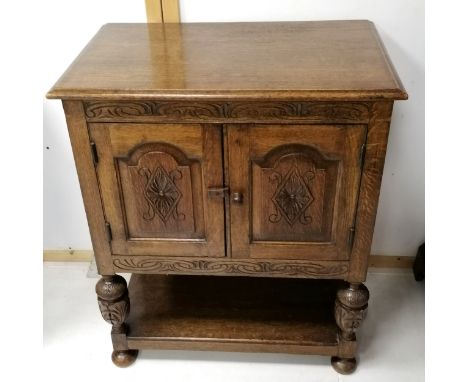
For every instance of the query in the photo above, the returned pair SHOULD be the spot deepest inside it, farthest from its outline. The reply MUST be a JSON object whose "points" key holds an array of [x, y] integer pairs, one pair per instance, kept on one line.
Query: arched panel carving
{"points": [[293, 194], [157, 183]]}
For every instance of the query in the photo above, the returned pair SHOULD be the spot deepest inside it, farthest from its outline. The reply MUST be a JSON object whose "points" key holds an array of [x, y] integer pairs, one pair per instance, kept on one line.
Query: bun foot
{"points": [[343, 365], [124, 358]]}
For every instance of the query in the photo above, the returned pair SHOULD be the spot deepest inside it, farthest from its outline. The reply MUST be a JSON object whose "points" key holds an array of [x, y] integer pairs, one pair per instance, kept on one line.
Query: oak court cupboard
{"points": [[234, 169]]}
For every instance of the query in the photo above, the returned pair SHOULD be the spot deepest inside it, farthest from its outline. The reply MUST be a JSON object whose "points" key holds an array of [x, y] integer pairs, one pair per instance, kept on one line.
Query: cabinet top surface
{"points": [[322, 60]]}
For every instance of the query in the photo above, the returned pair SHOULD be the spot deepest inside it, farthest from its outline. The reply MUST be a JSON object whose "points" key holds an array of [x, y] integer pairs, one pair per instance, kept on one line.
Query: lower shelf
{"points": [[233, 314]]}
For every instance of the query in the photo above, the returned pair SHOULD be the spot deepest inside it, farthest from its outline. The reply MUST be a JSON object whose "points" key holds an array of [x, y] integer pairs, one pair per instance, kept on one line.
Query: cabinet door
{"points": [[293, 190], [154, 182]]}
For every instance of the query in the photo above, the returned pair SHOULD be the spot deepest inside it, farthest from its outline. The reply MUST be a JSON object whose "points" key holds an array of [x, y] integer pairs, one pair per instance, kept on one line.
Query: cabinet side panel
{"points": [[376, 147], [77, 129]]}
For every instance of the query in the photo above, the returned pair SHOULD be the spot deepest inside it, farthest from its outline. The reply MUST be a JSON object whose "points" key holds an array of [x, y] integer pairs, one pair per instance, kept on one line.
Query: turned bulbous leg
{"points": [[113, 301], [114, 305], [350, 311]]}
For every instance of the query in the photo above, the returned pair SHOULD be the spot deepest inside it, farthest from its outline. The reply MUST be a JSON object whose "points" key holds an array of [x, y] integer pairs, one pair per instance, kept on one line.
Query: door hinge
{"points": [[94, 152], [108, 232], [362, 155], [351, 237]]}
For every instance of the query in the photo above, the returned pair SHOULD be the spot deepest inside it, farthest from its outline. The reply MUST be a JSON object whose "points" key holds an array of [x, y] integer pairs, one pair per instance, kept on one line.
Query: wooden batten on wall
{"points": [[382, 261], [67, 255], [162, 11], [376, 261]]}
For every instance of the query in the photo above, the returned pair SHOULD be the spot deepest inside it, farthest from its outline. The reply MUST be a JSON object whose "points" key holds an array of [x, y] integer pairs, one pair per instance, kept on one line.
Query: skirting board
{"points": [[70, 255], [376, 261]]}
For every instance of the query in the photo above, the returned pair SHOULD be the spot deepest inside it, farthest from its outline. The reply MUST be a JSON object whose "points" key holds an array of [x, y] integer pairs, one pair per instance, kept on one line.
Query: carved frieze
{"points": [[223, 267], [344, 112]]}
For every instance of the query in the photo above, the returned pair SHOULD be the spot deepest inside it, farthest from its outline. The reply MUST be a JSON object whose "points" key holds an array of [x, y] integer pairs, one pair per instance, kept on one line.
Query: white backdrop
{"points": [[68, 26]]}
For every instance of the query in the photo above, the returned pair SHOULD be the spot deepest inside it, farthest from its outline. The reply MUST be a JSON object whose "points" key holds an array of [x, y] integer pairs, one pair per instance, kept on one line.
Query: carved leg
{"points": [[114, 306], [350, 310]]}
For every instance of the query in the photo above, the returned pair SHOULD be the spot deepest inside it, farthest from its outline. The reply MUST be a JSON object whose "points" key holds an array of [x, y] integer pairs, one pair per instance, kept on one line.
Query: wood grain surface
{"points": [[283, 60], [154, 185], [79, 137], [241, 314]]}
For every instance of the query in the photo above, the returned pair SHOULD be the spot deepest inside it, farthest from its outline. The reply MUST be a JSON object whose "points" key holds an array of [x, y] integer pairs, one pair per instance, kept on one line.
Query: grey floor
{"points": [[77, 341]]}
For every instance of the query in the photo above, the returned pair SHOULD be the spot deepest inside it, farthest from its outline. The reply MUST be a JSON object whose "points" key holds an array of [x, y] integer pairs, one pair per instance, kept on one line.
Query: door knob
{"points": [[237, 197]]}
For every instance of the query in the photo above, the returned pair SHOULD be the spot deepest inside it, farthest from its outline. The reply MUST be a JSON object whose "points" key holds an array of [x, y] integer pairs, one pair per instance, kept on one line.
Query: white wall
{"points": [[67, 28], [400, 221]]}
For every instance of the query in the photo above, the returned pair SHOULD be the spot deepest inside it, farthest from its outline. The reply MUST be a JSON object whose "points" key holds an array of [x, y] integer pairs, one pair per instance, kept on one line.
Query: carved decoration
{"points": [[292, 196], [111, 288], [350, 310], [134, 156], [190, 111], [102, 110], [274, 110], [114, 312], [160, 177], [298, 182], [113, 301], [161, 193], [193, 111], [148, 264], [355, 297]]}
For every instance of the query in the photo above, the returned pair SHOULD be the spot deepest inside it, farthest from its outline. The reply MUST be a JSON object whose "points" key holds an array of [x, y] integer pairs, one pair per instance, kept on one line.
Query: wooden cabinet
{"points": [[251, 150]]}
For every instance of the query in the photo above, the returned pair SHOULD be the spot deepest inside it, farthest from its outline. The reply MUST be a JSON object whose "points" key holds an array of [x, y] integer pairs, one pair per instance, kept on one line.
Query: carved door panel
{"points": [[294, 190], [154, 182]]}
